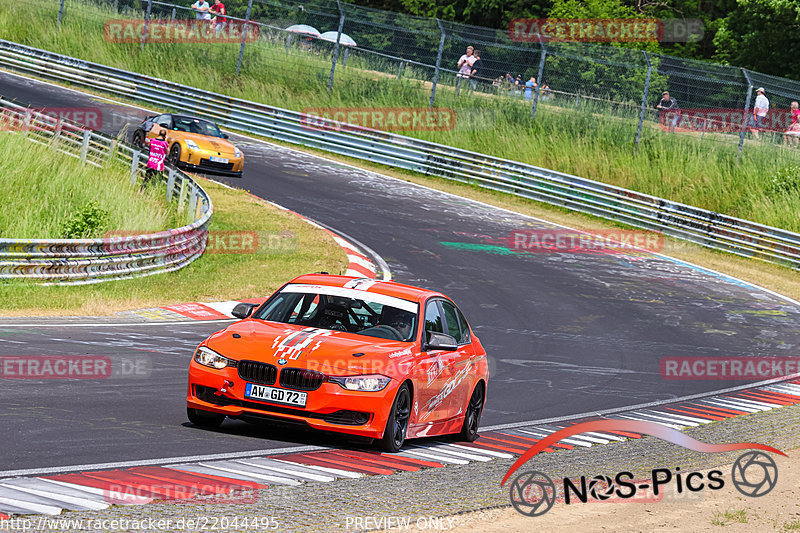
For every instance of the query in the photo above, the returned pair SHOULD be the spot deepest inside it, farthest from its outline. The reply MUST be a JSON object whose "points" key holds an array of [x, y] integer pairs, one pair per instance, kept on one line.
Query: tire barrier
{"points": [[83, 261], [700, 226]]}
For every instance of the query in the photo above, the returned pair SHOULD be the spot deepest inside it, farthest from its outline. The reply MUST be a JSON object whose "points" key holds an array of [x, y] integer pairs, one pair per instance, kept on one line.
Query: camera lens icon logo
{"points": [[754, 474], [532, 493]]}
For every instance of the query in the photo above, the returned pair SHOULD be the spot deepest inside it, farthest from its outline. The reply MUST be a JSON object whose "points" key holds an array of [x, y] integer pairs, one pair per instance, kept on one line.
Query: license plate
{"points": [[216, 159], [271, 394]]}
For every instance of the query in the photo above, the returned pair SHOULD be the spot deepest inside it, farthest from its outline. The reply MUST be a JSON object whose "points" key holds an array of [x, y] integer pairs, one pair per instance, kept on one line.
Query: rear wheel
{"points": [[472, 418], [138, 139], [175, 154], [396, 427], [205, 419]]}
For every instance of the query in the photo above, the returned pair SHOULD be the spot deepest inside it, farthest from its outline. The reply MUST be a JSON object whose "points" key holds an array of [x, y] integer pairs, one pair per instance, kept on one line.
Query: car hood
{"points": [[331, 352], [213, 144]]}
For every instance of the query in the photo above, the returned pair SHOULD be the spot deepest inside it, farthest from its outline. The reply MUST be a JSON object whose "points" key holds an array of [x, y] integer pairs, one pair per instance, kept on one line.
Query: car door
{"points": [[461, 361], [433, 365]]}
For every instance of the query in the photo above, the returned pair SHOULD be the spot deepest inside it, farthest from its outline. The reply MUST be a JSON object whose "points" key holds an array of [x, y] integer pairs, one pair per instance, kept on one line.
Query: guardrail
{"points": [[82, 261], [713, 230]]}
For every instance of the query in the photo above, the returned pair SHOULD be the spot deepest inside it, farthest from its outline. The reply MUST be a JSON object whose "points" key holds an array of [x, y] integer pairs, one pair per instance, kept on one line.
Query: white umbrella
{"points": [[304, 29], [345, 39]]}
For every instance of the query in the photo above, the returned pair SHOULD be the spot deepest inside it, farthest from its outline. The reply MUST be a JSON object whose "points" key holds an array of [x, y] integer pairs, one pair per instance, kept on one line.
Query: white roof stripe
{"points": [[383, 299]]}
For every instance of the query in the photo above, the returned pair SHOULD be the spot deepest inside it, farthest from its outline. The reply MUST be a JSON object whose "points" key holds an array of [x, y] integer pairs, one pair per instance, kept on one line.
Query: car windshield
{"points": [[342, 309], [196, 125]]}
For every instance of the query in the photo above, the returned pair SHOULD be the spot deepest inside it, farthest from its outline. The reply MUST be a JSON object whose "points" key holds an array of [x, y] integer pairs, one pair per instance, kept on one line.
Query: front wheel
{"points": [[205, 419], [472, 418], [397, 425], [175, 154]]}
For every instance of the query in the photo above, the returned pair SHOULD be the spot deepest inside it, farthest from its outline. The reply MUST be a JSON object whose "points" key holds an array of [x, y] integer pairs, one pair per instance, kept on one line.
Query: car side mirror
{"points": [[440, 341], [225, 136], [243, 310]]}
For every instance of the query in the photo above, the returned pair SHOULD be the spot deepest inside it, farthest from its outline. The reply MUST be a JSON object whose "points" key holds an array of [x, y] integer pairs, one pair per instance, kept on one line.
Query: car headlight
{"points": [[237, 152], [367, 382], [208, 357], [191, 144]]}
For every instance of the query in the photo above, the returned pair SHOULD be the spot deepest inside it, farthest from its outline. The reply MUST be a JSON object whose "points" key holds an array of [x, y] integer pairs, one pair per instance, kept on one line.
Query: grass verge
{"points": [[43, 190], [763, 186], [288, 247]]}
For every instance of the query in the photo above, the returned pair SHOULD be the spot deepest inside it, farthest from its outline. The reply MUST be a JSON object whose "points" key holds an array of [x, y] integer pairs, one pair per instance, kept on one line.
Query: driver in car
{"points": [[398, 319]]}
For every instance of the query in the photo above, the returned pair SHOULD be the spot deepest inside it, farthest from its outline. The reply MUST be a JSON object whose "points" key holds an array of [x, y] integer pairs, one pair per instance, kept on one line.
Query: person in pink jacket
{"points": [[158, 153]]}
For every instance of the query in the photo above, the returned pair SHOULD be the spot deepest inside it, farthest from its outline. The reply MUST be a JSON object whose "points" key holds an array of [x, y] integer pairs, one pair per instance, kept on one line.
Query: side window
{"points": [[453, 325], [465, 336], [433, 320], [165, 121]]}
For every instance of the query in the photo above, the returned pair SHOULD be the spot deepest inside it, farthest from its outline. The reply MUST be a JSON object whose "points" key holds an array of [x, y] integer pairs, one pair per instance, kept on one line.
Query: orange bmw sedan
{"points": [[369, 358]]}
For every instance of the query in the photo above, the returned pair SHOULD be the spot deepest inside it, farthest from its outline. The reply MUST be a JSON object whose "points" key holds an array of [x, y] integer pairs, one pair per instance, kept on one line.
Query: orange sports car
{"points": [[375, 359], [194, 144]]}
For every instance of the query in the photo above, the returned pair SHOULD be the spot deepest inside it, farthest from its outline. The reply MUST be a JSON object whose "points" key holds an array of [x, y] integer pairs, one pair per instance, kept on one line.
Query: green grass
{"points": [[583, 141], [41, 189], [288, 247], [729, 517]]}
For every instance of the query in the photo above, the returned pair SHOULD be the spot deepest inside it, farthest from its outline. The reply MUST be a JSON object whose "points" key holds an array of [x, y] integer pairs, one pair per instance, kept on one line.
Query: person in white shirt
{"points": [[202, 7], [465, 63], [759, 113]]}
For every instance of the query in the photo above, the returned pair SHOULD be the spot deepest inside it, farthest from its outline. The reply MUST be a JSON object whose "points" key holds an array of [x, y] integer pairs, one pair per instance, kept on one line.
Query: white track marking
{"points": [[328, 469]]}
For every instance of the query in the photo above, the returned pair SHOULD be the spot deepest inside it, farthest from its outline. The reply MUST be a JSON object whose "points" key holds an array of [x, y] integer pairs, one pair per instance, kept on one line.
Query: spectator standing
{"points": [[530, 86], [465, 63], [219, 20], [201, 6], [669, 109], [792, 135], [545, 91], [158, 152], [759, 119], [477, 69], [518, 85]]}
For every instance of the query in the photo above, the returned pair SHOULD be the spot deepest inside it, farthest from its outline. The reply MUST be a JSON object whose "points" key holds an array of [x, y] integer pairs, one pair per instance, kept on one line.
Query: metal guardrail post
{"points": [[182, 196], [746, 115], [245, 27], [400, 69], [192, 202], [28, 117], [539, 79], [56, 135], [438, 62], [112, 151], [87, 135], [170, 184], [135, 166], [146, 21], [60, 13], [644, 100], [336, 46]]}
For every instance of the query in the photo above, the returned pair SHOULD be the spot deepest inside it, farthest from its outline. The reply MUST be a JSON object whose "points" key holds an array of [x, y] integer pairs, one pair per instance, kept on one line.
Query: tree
{"points": [[762, 35]]}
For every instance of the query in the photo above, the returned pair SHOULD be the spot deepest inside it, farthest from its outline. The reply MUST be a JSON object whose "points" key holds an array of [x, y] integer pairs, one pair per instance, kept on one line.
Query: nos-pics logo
{"points": [[533, 493]]}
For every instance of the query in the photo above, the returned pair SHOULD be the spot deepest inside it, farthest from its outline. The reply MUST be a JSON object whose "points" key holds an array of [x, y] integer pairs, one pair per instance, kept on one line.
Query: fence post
{"points": [[539, 79], [56, 134], [400, 69], [135, 166], [60, 13], [244, 35], [146, 20], [644, 100], [116, 6], [745, 116], [438, 62], [173, 15], [85, 145], [170, 184], [336, 46]]}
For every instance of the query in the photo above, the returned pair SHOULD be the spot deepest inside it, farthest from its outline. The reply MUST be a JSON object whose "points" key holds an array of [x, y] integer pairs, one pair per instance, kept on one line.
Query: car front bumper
{"points": [[328, 408]]}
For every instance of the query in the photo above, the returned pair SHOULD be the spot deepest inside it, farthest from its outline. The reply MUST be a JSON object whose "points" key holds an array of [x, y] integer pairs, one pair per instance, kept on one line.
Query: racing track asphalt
{"points": [[567, 333]]}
